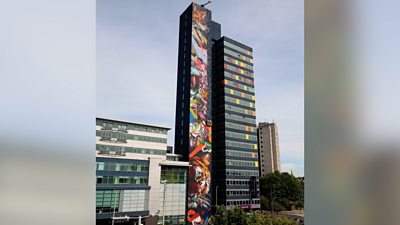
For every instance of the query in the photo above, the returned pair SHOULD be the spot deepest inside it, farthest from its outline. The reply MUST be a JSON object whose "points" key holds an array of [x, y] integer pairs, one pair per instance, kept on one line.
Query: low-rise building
{"points": [[132, 165]]}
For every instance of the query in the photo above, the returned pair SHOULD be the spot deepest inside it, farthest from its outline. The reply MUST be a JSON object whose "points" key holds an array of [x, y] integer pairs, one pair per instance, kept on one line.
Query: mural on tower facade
{"points": [[199, 182]]}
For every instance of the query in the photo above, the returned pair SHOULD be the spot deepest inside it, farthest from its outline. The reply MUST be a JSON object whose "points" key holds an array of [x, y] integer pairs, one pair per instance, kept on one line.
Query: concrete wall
{"points": [[154, 183]]}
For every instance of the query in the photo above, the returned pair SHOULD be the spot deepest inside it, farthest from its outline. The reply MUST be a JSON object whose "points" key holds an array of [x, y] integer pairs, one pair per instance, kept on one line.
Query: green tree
{"points": [[220, 217], [237, 216], [283, 189]]}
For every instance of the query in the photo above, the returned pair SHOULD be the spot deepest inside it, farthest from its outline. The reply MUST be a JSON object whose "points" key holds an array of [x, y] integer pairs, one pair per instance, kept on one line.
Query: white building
{"points": [[132, 160]]}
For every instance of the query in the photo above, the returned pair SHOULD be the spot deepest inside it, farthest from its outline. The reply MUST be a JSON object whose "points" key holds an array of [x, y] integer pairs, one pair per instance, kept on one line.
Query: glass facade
{"points": [[117, 137], [175, 194], [122, 171], [121, 186], [121, 200], [125, 127], [125, 183], [107, 200], [241, 154], [122, 180], [135, 200], [120, 166], [174, 175], [121, 150]]}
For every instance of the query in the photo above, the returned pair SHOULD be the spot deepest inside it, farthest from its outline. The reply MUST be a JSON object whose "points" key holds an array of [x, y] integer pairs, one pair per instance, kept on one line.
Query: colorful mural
{"points": [[199, 198]]}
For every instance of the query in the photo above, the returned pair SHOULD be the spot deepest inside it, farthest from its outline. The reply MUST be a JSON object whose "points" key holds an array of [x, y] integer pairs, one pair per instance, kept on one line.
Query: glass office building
{"points": [[131, 162]]}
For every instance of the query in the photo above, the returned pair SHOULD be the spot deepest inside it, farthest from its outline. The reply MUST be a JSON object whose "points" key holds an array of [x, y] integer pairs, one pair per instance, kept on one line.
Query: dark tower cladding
{"points": [[215, 92], [236, 169], [193, 125]]}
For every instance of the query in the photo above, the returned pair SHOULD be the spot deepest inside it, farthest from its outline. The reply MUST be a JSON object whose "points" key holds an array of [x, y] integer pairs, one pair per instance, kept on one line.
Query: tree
{"points": [[283, 189], [220, 217], [237, 216], [229, 217]]}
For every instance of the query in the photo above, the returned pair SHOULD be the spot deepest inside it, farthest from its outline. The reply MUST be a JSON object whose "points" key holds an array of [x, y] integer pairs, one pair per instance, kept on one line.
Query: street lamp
{"points": [[165, 188], [115, 202], [216, 195]]}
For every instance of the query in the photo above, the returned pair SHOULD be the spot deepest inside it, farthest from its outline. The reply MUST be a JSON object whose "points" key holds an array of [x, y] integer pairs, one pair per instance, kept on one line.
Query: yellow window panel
{"points": [[245, 87], [237, 101], [237, 77], [236, 62], [241, 71], [252, 97], [247, 137], [255, 146], [251, 104], [256, 163], [232, 91], [251, 60]]}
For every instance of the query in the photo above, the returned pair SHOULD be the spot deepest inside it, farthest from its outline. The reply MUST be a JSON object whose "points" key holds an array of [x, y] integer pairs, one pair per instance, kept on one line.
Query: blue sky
{"points": [[137, 48]]}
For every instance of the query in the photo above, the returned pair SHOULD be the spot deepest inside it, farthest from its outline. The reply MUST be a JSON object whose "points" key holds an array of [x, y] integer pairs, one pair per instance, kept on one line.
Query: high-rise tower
{"points": [[234, 126], [268, 148], [193, 125], [215, 127]]}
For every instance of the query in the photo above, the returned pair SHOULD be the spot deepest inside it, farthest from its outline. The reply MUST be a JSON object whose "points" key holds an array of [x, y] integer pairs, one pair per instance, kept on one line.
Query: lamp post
{"points": [[216, 195], [115, 202], [165, 188]]}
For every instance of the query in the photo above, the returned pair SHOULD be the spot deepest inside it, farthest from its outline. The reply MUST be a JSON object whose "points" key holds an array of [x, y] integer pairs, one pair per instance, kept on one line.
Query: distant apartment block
{"points": [[268, 148]]}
